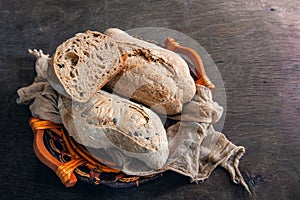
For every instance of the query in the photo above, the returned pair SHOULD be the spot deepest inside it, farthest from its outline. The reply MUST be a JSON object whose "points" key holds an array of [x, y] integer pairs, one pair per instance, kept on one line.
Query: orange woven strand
{"points": [[86, 155], [64, 171], [38, 124]]}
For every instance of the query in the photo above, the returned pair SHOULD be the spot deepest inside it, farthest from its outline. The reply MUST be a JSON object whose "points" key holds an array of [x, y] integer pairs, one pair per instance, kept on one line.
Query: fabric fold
{"points": [[201, 108], [195, 148]]}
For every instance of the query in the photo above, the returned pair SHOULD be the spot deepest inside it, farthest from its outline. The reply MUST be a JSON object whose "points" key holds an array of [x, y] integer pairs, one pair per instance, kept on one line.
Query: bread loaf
{"points": [[110, 122], [153, 76], [83, 64]]}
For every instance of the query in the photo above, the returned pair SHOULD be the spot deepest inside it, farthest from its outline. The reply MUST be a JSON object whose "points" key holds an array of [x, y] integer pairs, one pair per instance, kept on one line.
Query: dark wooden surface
{"points": [[256, 46]]}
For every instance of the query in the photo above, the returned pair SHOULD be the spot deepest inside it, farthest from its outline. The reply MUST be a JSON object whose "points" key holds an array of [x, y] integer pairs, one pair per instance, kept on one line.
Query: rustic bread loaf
{"points": [[116, 124], [153, 76], [83, 64]]}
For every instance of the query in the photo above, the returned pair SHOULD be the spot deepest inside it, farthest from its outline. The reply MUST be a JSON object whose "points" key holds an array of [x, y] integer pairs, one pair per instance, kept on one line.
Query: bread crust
{"points": [[109, 121], [153, 76]]}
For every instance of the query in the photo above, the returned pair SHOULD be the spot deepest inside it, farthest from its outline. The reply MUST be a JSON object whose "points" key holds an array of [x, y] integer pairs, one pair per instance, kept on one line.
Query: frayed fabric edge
{"points": [[231, 164]]}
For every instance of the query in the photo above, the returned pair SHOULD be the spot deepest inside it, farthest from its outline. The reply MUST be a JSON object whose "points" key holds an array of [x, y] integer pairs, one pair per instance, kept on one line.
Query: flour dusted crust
{"points": [[132, 136], [109, 121], [153, 76], [83, 64]]}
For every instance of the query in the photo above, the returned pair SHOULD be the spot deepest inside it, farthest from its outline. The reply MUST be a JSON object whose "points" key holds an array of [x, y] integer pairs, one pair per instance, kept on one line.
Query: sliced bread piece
{"points": [[85, 63]]}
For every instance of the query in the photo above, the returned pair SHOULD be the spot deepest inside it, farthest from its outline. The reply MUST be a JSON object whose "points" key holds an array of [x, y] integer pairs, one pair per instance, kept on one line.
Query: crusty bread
{"points": [[116, 124], [153, 76], [83, 64]]}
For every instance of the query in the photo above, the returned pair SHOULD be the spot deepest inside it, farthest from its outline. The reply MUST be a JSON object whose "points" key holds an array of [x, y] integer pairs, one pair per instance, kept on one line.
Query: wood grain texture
{"points": [[256, 46]]}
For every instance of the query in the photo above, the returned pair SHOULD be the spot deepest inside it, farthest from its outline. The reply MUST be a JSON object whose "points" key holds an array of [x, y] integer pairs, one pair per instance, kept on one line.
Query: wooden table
{"points": [[256, 47]]}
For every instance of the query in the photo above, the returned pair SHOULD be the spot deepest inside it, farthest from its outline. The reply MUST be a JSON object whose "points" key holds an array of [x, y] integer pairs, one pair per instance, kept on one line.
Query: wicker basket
{"points": [[71, 161]]}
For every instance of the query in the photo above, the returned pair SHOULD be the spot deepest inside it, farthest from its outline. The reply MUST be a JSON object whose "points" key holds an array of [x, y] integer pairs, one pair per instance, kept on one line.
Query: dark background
{"points": [[256, 46]]}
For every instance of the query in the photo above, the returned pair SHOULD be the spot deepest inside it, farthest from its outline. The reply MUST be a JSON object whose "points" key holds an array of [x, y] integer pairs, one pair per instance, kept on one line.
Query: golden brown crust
{"points": [[110, 122], [153, 76]]}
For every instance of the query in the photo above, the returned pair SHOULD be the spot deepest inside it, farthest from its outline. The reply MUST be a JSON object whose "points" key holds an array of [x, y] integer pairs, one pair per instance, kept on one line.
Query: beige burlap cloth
{"points": [[195, 148]]}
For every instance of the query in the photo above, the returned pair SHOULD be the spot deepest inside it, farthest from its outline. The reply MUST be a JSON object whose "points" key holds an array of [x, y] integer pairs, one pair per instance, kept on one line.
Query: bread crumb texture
{"points": [[85, 62]]}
